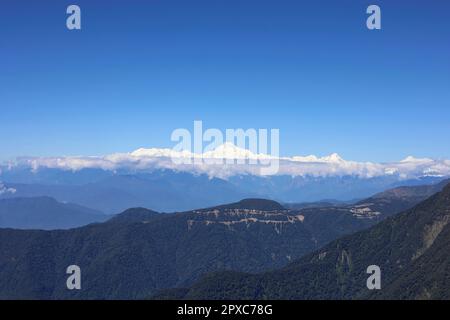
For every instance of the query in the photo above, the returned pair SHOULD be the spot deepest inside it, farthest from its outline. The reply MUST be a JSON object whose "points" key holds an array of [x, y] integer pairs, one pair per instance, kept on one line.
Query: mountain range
{"points": [[113, 193], [168, 190], [225, 163], [410, 248], [140, 252], [45, 213], [166, 180]]}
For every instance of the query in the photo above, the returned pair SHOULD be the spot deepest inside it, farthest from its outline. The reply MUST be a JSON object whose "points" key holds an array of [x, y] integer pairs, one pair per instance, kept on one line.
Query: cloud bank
{"points": [[228, 160]]}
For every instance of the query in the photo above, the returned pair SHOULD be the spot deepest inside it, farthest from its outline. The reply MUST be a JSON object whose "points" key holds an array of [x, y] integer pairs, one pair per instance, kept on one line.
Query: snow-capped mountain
{"points": [[168, 180], [228, 160]]}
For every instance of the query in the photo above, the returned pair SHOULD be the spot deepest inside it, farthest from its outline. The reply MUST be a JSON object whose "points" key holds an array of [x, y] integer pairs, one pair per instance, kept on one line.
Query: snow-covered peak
{"points": [[225, 151], [230, 151], [157, 158], [310, 158], [332, 158], [160, 153]]}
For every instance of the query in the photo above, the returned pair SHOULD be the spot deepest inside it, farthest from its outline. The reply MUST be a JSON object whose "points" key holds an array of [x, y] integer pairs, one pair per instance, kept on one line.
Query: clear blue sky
{"points": [[139, 69]]}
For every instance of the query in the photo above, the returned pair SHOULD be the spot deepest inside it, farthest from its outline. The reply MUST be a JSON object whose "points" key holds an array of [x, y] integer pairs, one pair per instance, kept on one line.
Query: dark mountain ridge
{"points": [[253, 204], [140, 252], [135, 215], [410, 248]]}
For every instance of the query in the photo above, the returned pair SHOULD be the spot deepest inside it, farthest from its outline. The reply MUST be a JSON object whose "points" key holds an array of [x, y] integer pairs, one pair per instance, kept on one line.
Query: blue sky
{"points": [[140, 69]]}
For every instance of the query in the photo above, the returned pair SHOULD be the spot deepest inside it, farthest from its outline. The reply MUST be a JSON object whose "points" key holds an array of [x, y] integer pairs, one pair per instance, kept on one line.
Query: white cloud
{"points": [[332, 165], [4, 189], [411, 159]]}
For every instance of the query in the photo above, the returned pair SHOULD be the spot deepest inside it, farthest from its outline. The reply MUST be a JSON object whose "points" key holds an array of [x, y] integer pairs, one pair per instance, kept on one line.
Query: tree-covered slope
{"points": [[411, 249], [140, 252]]}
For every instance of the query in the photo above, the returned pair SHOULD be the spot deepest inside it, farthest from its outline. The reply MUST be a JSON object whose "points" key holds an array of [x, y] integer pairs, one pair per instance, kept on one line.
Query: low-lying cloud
{"points": [[151, 159], [5, 190]]}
